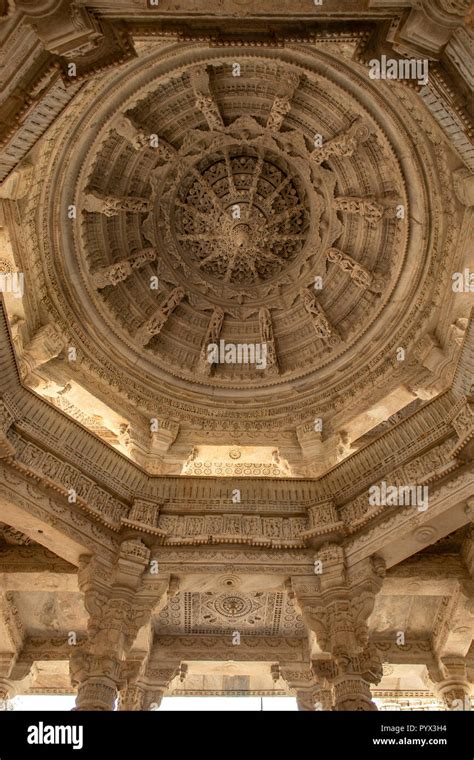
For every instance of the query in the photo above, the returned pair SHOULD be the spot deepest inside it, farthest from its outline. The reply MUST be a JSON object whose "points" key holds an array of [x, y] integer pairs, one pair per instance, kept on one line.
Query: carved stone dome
{"points": [[269, 208]]}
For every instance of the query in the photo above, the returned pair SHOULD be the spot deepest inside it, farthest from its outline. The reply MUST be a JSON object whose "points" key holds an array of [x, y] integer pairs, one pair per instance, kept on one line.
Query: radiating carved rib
{"points": [[253, 187], [230, 175], [110, 205], [253, 269], [277, 190], [287, 214], [118, 272], [361, 276], [282, 103], [205, 101], [321, 323], [208, 189], [269, 255], [155, 324], [214, 255], [365, 207], [199, 236], [344, 144], [268, 339], [230, 266], [212, 336], [193, 210]]}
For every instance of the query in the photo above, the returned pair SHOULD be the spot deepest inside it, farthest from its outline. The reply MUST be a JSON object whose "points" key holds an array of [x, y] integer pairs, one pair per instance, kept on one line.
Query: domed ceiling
{"points": [[288, 201]]}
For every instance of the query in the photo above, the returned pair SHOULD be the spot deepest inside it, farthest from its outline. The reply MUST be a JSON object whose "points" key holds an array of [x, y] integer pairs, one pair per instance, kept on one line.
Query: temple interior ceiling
{"points": [[287, 205], [236, 282]]}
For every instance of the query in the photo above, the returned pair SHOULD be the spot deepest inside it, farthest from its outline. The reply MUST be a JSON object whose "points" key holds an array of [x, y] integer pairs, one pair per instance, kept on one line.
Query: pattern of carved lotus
{"points": [[241, 217]]}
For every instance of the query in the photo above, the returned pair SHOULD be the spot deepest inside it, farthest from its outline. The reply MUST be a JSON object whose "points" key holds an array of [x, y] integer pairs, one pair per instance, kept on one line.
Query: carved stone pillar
{"points": [[336, 604], [300, 678], [7, 692], [451, 683], [95, 690], [352, 693], [119, 604]]}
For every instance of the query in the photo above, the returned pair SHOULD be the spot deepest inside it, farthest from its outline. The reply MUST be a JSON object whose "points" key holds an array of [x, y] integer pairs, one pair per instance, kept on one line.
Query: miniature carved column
{"points": [[343, 145], [118, 272], [155, 323], [267, 338], [323, 328], [336, 604], [110, 205], [119, 604], [282, 104], [212, 336], [205, 101]]}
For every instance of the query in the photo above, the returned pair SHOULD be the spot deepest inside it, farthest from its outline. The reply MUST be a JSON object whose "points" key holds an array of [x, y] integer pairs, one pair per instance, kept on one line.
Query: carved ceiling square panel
{"points": [[204, 613]]}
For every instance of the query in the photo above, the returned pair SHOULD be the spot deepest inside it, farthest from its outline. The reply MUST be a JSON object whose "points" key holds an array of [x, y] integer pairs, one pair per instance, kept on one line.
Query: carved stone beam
{"points": [[462, 420], [110, 205], [212, 336], [366, 207], [6, 420], [323, 328], [221, 648], [155, 324], [118, 272], [45, 345], [282, 103], [344, 145], [205, 100]]}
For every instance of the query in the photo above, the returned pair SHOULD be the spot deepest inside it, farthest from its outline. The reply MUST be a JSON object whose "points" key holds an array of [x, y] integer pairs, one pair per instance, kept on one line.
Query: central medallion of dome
{"points": [[241, 217]]}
